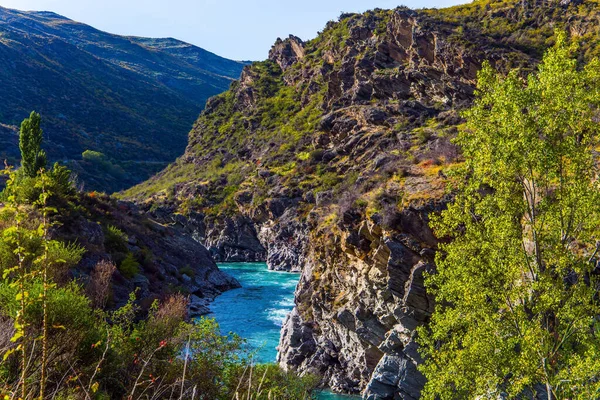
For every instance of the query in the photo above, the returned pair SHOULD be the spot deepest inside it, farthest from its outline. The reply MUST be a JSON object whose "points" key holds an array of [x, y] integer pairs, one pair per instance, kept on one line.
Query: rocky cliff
{"points": [[330, 156]]}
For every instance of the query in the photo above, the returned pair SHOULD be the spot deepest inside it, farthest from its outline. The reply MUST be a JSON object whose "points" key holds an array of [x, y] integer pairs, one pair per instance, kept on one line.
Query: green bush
{"points": [[63, 256], [102, 162], [268, 381], [93, 156], [129, 267], [61, 183], [27, 189], [115, 240]]}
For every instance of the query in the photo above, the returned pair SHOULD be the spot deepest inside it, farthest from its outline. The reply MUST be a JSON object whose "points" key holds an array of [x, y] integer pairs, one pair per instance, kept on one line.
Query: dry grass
{"points": [[98, 288], [173, 308]]}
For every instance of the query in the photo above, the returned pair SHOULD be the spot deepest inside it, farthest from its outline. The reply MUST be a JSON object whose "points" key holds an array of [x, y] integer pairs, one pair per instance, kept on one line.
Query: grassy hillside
{"points": [[133, 99], [398, 100]]}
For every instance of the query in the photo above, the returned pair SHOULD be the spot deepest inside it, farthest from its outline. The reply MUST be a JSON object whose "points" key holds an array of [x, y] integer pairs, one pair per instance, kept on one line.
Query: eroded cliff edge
{"points": [[330, 156]]}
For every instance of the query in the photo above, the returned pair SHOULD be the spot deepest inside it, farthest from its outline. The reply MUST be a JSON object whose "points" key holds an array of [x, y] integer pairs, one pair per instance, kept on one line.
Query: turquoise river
{"points": [[257, 310]]}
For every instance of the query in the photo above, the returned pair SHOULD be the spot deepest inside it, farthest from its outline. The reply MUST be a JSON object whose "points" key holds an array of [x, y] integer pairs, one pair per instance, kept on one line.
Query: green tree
{"points": [[33, 158], [517, 310], [35, 256]]}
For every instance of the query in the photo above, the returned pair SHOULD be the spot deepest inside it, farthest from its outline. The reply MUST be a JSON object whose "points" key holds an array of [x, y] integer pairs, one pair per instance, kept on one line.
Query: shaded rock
{"points": [[287, 242], [161, 250], [375, 116], [198, 306], [395, 377], [323, 197]]}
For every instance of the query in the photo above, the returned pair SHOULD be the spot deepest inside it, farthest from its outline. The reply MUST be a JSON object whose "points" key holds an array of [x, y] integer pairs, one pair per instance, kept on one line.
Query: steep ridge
{"points": [[151, 261], [133, 99], [329, 157]]}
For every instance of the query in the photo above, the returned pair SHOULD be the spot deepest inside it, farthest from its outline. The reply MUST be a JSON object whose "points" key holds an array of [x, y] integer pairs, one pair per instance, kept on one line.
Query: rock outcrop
{"points": [[287, 52], [232, 239], [362, 335]]}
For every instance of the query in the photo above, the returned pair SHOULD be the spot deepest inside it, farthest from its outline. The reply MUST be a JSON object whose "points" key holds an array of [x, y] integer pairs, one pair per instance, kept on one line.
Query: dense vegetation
{"points": [[517, 286], [57, 340], [528, 26]]}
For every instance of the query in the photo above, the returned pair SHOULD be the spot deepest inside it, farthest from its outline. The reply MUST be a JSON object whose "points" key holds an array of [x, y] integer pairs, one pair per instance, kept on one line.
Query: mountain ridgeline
{"points": [[132, 99], [329, 157]]}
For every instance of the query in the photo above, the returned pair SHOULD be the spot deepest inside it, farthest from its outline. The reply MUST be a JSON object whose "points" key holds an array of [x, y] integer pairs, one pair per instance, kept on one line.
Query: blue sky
{"points": [[237, 29]]}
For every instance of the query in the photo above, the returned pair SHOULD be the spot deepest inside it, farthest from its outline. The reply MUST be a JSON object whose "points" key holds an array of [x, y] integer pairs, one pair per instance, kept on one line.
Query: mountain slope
{"points": [[328, 158], [130, 98]]}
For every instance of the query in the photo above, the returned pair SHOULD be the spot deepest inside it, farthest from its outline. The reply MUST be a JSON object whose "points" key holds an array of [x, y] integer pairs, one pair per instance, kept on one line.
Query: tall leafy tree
{"points": [[33, 158], [516, 287]]}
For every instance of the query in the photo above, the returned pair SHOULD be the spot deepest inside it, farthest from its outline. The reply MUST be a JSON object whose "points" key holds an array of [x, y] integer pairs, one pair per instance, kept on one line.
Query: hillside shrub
{"points": [[129, 267], [115, 240]]}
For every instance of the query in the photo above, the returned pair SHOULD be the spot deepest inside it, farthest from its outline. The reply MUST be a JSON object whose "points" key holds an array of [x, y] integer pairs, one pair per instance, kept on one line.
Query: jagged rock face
{"points": [[362, 334], [271, 234], [228, 239], [410, 60], [287, 53], [287, 243], [333, 153], [280, 241], [416, 58], [232, 239]]}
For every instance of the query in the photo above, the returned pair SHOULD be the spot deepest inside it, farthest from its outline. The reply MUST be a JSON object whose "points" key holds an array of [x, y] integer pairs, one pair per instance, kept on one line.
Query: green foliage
{"points": [[68, 306], [29, 279], [303, 156], [33, 158], [285, 169], [212, 357], [268, 381], [115, 240], [268, 78], [60, 183], [63, 256], [337, 33], [93, 156], [327, 179], [117, 354], [162, 349], [103, 163], [129, 267], [516, 288], [27, 189]]}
